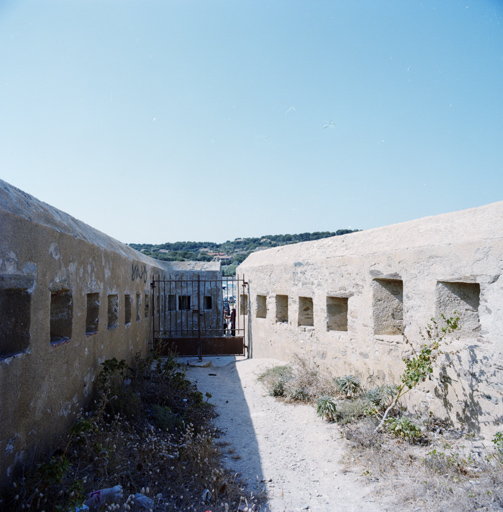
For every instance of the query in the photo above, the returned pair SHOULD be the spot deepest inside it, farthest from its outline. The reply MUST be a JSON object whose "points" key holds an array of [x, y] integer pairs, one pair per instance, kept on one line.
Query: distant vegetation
{"points": [[230, 253]]}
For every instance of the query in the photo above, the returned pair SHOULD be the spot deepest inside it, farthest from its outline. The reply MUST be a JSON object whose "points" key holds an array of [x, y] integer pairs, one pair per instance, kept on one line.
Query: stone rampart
{"points": [[350, 301], [70, 298]]}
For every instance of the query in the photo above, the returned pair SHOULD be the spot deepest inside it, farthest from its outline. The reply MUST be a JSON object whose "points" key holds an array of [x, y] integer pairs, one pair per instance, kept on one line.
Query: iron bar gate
{"points": [[194, 314]]}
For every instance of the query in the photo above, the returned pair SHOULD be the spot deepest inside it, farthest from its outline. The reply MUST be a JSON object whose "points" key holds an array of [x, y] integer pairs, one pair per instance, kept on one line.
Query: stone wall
{"points": [[70, 297], [350, 301]]}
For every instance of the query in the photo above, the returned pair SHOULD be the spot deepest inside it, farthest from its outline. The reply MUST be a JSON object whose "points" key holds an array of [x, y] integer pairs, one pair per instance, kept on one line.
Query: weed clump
{"points": [[403, 427], [349, 386], [326, 407], [275, 378], [409, 456], [300, 381], [148, 431], [498, 443]]}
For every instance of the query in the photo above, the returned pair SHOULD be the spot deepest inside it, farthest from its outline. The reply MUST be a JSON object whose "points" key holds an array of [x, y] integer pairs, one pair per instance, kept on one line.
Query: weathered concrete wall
{"points": [[350, 301], [70, 297]]}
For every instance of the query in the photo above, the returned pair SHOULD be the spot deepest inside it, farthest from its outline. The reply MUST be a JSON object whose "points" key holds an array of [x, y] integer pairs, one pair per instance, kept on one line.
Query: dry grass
{"points": [[149, 432], [424, 465], [435, 476], [302, 381]]}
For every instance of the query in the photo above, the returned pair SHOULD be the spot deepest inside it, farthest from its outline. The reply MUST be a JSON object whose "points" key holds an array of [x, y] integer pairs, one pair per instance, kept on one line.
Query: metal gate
{"points": [[199, 315]]}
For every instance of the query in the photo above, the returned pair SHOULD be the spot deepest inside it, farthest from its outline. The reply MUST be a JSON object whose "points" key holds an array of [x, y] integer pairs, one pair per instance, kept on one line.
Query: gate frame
{"points": [[205, 344]]}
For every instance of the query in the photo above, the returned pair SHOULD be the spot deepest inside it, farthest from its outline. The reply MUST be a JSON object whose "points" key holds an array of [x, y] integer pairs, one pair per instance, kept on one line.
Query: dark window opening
{"points": [[15, 323], [113, 311], [184, 303], [93, 313], [147, 305], [61, 316], [127, 309], [138, 307], [282, 308]]}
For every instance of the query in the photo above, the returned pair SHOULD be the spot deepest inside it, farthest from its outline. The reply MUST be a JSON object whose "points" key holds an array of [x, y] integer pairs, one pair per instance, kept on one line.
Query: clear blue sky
{"points": [[163, 120]]}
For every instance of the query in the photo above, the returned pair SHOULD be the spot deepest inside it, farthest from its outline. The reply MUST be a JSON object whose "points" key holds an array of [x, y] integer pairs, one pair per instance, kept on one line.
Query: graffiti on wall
{"points": [[139, 272]]}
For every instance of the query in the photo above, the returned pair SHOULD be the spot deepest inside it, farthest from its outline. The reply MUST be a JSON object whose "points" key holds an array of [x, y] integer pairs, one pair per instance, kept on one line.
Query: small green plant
{"points": [[326, 407], [380, 397], [111, 368], [349, 386], [419, 366], [299, 394], [403, 427], [54, 470], [350, 411], [445, 463], [498, 442], [275, 379], [166, 419]]}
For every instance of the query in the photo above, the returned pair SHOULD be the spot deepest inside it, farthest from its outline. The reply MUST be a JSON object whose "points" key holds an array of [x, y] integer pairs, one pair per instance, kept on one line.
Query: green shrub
{"points": [[349, 386], [445, 464], [299, 394], [498, 442], [403, 427], [381, 396], [326, 407], [275, 378], [300, 381], [419, 365], [350, 411], [165, 419]]}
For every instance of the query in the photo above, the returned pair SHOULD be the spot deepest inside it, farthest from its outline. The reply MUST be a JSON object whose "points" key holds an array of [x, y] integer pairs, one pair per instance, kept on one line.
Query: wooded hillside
{"points": [[230, 253]]}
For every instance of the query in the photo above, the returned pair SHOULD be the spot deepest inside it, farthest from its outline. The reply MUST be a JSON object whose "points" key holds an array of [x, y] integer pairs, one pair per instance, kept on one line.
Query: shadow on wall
{"points": [[467, 380]]}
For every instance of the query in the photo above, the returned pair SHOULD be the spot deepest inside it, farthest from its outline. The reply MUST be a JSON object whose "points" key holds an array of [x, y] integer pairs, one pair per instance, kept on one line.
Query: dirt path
{"points": [[284, 449]]}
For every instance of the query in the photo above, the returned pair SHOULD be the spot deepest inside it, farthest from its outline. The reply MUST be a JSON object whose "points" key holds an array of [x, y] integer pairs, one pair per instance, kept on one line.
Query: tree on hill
{"points": [[238, 250]]}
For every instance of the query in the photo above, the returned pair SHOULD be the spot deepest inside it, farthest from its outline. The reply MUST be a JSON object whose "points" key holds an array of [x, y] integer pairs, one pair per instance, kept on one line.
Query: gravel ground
{"points": [[281, 449]]}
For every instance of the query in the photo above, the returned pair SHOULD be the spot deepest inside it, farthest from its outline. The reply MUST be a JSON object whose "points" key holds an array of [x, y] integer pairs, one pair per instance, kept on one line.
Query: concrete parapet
{"points": [[70, 297], [350, 301]]}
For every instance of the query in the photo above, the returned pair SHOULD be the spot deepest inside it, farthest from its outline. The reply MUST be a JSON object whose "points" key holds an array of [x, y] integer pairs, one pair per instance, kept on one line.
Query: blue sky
{"points": [[163, 120]]}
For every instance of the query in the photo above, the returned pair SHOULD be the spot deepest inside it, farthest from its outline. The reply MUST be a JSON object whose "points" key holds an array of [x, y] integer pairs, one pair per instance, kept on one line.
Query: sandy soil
{"points": [[283, 449]]}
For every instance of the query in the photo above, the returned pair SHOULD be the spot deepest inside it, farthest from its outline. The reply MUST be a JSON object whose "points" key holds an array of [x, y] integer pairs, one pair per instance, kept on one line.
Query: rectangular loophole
{"points": [[61, 316], [15, 323], [138, 307], [462, 299], [337, 314], [306, 311], [282, 308], [388, 306], [261, 306], [127, 309], [184, 302], [147, 305], [113, 311], [208, 303], [92, 313]]}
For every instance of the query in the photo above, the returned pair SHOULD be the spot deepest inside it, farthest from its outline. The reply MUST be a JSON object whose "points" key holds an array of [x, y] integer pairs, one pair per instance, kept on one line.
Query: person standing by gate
{"points": [[233, 322]]}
